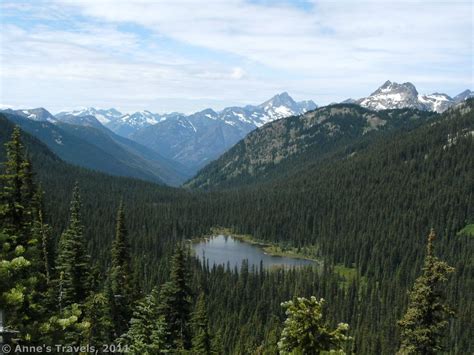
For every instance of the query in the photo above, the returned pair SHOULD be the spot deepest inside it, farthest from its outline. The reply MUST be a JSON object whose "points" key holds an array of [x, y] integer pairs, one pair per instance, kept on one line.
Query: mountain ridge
{"points": [[304, 139]]}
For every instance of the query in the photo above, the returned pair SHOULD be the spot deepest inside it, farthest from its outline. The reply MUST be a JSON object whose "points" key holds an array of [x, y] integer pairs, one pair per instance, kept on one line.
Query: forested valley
{"points": [[97, 259]]}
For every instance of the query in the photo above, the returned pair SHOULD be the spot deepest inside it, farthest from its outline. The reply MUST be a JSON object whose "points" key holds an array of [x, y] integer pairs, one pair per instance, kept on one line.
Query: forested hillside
{"points": [[366, 215], [289, 144], [95, 147]]}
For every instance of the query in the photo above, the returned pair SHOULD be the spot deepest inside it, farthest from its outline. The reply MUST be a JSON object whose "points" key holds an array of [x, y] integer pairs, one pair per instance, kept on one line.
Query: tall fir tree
{"points": [[201, 342], [175, 302], [422, 327], [72, 265], [121, 284]]}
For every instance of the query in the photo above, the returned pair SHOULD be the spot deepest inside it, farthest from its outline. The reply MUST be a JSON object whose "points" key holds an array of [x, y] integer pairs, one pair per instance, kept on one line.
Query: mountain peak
{"points": [[393, 87], [466, 94], [282, 99], [284, 95], [385, 85], [208, 112]]}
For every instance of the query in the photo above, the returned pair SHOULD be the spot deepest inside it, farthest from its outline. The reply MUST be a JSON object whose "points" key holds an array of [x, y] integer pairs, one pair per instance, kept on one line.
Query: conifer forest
{"points": [[98, 261], [236, 177]]}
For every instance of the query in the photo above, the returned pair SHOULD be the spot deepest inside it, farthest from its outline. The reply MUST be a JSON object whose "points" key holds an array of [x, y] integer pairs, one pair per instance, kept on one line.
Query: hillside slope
{"points": [[98, 148], [291, 143]]}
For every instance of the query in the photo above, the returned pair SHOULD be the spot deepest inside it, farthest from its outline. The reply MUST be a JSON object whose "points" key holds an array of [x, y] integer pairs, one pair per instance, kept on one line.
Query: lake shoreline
{"points": [[271, 249]]}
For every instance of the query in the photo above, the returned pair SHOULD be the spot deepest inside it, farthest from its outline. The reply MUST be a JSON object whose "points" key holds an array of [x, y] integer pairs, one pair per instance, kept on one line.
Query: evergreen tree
{"points": [[423, 324], [120, 274], [97, 315], [201, 338], [12, 197], [147, 332], [305, 332], [72, 263], [67, 327], [22, 278], [217, 344], [42, 231], [175, 302]]}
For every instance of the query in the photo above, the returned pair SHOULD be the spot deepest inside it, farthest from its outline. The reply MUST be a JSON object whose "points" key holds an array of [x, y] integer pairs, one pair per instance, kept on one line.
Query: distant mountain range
{"points": [[165, 148], [279, 106], [392, 95], [191, 140], [171, 148], [197, 139]]}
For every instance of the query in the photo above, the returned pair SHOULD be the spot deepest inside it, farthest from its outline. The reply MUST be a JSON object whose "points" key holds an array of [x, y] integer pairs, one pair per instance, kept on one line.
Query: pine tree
{"points": [[427, 314], [201, 338], [147, 331], [305, 332], [175, 302], [72, 264], [121, 280]]}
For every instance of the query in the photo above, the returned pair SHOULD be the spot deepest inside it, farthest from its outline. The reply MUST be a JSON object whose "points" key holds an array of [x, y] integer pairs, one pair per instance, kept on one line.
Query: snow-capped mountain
{"points": [[103, 116], [436, 102], [85, 121], [140, 119], [392, 95], [123, 124], [35, 114], [282, 105], [245, 118], [466, 94], [279, 106], [128, 124], [196, 139]]}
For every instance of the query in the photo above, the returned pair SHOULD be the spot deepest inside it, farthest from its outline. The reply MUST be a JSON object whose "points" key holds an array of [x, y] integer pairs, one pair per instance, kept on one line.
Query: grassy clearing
{"points": [[467, 230], [348, 273]]}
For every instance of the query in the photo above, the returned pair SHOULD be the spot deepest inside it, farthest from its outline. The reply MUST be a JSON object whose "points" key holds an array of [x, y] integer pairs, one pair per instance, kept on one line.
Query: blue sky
{"points": [[186, 55]]}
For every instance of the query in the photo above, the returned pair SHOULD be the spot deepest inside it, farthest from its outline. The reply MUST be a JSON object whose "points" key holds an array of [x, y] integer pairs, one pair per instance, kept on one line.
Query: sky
{"points": [[187, 55]]}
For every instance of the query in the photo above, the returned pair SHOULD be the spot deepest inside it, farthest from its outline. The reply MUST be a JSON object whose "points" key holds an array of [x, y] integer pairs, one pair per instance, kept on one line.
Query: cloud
{"points": [[237, 73], [286, 37], [228, 51]]}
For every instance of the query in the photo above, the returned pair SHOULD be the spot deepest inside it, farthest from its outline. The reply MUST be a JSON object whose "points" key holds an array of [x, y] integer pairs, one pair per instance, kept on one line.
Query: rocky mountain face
{"points": [[392, 95], [291, 143]]}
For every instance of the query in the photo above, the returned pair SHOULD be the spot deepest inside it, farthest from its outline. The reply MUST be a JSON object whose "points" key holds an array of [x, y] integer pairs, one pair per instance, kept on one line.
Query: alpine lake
{"points": [[227, 250]]}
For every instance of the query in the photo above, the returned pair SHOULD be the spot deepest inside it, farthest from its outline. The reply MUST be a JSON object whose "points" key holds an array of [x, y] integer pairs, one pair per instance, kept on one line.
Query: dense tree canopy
{"points": [[363, 216]]}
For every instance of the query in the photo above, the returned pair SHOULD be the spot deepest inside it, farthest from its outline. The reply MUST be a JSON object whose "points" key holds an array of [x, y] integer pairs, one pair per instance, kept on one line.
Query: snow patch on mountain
{"points": [[392, 95]]}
